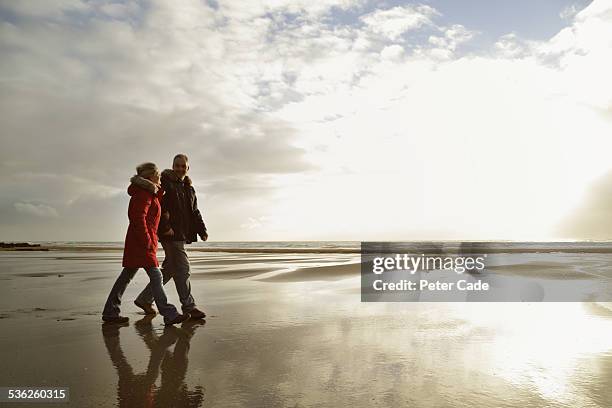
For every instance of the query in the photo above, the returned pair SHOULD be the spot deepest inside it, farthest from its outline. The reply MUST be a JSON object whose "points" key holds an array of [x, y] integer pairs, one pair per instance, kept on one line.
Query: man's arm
{"points": [[165, 228], [164, 222]]}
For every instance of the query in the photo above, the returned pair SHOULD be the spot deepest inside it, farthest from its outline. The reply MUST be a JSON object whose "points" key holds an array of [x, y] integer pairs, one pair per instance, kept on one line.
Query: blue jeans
{"points": [[175, 266], [111, 308]]}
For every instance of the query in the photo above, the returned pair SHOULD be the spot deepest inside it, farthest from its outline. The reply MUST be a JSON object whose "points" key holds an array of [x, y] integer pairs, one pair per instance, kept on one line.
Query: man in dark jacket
{"points": [[181, 223]]}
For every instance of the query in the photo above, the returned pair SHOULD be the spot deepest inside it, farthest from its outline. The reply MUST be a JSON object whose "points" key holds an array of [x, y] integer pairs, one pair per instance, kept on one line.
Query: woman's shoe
{"points": [[178, 319], [115, 319], [147, 307]]}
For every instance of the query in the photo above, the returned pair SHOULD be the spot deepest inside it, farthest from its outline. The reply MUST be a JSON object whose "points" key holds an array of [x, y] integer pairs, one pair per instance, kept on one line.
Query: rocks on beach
{"points": [[21, 246]]}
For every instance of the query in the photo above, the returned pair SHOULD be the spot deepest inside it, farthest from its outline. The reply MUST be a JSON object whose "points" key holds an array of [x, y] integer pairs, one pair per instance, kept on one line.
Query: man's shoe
{"points": [[178, 319], [115, 319], [196, 313], [147, 307]]}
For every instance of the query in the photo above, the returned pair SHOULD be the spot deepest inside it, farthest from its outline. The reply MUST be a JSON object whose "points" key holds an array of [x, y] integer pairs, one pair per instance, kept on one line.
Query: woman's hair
{"points": [[146, 170]]}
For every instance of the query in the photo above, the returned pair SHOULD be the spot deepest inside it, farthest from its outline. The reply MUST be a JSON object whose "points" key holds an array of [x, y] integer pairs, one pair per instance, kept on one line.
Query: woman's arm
{"points": [[137, 213]]}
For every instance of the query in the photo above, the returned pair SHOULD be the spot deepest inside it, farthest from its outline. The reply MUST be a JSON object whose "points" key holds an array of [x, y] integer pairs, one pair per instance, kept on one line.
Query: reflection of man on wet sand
{"points": [[139, 390]]}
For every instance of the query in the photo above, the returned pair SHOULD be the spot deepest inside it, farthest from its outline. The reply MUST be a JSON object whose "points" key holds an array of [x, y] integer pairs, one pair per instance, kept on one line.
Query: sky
{"points": [[327, 120]]}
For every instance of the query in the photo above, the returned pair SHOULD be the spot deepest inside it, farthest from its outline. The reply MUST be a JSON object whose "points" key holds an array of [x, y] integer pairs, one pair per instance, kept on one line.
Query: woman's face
{"points": [[155, 178]]}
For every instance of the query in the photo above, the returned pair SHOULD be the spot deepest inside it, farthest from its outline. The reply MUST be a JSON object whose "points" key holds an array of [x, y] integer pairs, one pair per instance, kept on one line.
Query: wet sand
{"points": [[288, 329]]}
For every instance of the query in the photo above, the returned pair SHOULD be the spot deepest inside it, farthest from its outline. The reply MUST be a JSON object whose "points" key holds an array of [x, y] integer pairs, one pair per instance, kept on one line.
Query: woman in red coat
{"points": [[141, 247]]}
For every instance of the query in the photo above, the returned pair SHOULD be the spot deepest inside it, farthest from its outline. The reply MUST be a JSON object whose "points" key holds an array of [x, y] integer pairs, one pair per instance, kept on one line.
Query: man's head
{"points": [[180, 165]]}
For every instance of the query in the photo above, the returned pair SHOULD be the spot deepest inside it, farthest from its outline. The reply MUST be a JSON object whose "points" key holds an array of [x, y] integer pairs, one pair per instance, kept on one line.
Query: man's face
{"points": [[180, 167]]}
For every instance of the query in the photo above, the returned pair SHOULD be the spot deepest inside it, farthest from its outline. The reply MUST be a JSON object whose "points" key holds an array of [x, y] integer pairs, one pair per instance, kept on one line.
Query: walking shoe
{"points": [[112, 329], [196, 313], [115, 319], [147, 307], [144, 325], [178, 319]]}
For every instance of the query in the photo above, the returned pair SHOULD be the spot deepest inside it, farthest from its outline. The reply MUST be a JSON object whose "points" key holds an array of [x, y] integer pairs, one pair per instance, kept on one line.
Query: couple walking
{"points": [[162, 207]]}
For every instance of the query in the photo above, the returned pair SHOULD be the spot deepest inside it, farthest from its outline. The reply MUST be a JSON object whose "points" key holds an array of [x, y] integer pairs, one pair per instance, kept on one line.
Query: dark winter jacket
{"points": [[144, 212], [180, 209]]}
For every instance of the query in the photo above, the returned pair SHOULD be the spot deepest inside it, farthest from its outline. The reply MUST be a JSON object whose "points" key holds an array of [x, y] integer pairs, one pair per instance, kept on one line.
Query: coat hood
{"points": [[141, 183], [170, 175]]}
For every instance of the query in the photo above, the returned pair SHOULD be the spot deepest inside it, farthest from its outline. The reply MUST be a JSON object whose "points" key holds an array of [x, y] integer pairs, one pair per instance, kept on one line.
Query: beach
{"points": [[286, 327]]}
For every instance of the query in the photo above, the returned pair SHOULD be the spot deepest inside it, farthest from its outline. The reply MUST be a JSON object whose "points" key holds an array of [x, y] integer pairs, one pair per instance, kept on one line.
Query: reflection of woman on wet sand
{"points": [[138, 390]]}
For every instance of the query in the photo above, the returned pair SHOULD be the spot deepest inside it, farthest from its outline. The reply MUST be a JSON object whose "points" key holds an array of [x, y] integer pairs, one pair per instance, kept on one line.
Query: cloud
{"points": [[445, 45], [392, 23], [592, 218], [392, 52], [569, 11], [37, 210], [511, 46], [253, 223], [463, 146], [297, 122], [126, 93], [48, 9]]}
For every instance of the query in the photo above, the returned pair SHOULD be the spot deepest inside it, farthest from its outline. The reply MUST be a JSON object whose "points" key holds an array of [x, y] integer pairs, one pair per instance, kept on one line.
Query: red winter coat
{"points": [[140, 248]]}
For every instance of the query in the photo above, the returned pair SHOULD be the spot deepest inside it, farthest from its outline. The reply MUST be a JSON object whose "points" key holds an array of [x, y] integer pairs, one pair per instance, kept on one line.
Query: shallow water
{"points": [[291, 342]]}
